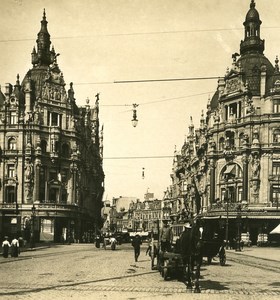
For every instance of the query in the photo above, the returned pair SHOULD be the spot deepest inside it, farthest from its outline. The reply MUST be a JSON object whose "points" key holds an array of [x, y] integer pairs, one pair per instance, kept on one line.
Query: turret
{"points": [[252, 42]]}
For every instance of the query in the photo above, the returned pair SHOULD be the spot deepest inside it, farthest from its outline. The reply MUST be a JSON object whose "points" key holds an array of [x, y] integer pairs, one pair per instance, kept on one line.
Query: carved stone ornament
{"points": [[233, 85]]}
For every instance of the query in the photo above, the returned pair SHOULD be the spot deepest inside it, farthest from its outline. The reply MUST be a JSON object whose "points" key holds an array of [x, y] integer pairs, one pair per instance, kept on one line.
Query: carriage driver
{"points": [[165, 237]]}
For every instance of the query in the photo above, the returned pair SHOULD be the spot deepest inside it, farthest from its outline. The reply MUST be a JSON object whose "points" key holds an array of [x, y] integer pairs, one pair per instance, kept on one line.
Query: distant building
{"points": [[122, 203], [146, 215], [50, 154]]}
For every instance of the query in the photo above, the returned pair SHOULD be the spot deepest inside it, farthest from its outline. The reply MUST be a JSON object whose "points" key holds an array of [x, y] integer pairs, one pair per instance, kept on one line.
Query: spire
{"points": [[252, 42], [276, 64], [43, 55]]}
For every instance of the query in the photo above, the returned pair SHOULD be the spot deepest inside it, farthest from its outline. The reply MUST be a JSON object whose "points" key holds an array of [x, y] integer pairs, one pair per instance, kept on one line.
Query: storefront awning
{"points": [[230, 169], [276, 230]]}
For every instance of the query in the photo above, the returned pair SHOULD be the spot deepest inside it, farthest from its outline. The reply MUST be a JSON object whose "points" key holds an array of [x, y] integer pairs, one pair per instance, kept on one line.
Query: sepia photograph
{"points": [[140, 149]]}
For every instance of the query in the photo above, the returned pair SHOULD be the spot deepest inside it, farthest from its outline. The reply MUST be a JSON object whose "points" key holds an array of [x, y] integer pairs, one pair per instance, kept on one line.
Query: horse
{"points": [[191, 246]]}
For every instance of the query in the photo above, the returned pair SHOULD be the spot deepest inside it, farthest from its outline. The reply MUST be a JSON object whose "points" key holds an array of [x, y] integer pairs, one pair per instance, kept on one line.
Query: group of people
{"points": [[10, 248], [165, 238]]}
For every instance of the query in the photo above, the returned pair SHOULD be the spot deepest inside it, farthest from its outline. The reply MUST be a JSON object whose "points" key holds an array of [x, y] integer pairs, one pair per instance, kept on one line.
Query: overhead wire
{"points": [[135, 34]]}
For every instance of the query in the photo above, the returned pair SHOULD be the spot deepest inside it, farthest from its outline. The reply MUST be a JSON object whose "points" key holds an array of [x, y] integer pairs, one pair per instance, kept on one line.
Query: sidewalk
{"points": [[38, 246], [269, 253]]}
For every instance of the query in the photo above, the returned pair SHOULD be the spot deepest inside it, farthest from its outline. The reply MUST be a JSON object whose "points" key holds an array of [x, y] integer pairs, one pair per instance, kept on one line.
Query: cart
{"points": [[212, 248], [170, 265]]}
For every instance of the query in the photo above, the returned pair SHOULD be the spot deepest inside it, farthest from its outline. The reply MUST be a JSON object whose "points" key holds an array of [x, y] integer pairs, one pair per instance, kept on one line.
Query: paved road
{"points": [[80, 271]]}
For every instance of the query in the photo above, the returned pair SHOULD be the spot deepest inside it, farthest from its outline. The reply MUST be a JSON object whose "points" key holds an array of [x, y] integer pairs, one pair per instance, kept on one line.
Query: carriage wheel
{"points": [[209, 260]]}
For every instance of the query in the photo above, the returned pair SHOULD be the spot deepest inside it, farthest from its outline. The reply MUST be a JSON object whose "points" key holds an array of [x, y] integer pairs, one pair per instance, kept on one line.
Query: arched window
{"points": [[12, 144]]}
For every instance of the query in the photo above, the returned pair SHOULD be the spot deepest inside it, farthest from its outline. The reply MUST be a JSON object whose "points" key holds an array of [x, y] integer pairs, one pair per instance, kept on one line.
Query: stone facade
{"points": [[51, 153]]}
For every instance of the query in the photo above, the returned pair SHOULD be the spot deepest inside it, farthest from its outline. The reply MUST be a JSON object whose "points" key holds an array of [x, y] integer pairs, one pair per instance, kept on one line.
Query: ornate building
{"points": [[228, 170], [51, 171]]}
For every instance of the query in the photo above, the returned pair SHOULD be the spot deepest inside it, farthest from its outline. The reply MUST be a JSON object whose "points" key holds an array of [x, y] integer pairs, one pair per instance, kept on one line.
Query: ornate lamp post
{"points": [[32, 237], [226, 198]]}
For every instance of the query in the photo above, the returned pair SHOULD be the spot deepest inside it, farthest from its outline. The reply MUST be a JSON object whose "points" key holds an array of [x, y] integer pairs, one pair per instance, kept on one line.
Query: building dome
{"points": [[252, 14], [214, 101], [2, 98], [38, 77], [252, 64]]}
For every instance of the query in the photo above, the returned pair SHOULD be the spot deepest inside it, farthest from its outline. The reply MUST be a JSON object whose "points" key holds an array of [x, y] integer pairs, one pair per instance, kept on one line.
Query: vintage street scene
{"points": [[140, 149]]}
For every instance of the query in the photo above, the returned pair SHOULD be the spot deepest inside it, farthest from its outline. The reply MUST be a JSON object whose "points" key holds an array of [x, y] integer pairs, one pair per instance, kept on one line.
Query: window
{"points": [[276, 194], [47, 226], [276, 106], [276, 168], [10, 194], [240, 192], [54, 119], [221, 143], [276, 136], [13, 117], [11, 171], [43, 146], [12, 144], [65, 150]]}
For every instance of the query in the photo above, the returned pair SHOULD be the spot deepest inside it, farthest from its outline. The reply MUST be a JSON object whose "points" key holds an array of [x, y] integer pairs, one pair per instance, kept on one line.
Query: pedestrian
{"points": [[136, 243], [6, 246], [165, 237], [15, 247]]}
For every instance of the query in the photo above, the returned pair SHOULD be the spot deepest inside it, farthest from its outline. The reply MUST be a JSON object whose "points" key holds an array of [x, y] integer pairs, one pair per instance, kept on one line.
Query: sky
{"points": [[102, 42]]}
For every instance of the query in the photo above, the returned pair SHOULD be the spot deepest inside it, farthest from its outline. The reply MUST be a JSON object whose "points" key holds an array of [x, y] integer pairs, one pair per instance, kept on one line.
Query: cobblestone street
{"points": [[81, 271]]}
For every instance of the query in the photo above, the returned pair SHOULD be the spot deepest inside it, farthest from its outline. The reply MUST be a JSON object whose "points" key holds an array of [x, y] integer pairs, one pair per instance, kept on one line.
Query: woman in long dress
{"points": [[6, 246]]}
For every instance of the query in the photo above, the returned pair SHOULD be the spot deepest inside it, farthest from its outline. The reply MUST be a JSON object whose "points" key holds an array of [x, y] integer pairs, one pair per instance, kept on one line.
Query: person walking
{"points": [[6, 246], [136, 243], [15, 247], [165, 237]]}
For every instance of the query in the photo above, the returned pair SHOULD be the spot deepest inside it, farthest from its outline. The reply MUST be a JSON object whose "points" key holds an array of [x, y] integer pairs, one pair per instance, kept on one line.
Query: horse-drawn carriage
{"points": [[187, 254], [214, 248]]}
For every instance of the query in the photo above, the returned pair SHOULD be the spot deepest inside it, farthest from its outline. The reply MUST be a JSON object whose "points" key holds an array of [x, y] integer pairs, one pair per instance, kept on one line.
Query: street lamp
{"points": [[226, 198], [239, 220], [32, 237], [134, 117]]}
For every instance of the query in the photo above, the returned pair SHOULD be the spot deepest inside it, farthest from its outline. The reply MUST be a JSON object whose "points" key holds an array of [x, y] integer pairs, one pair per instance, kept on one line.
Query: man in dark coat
{"points": [[136, 242], [165, 237]]}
